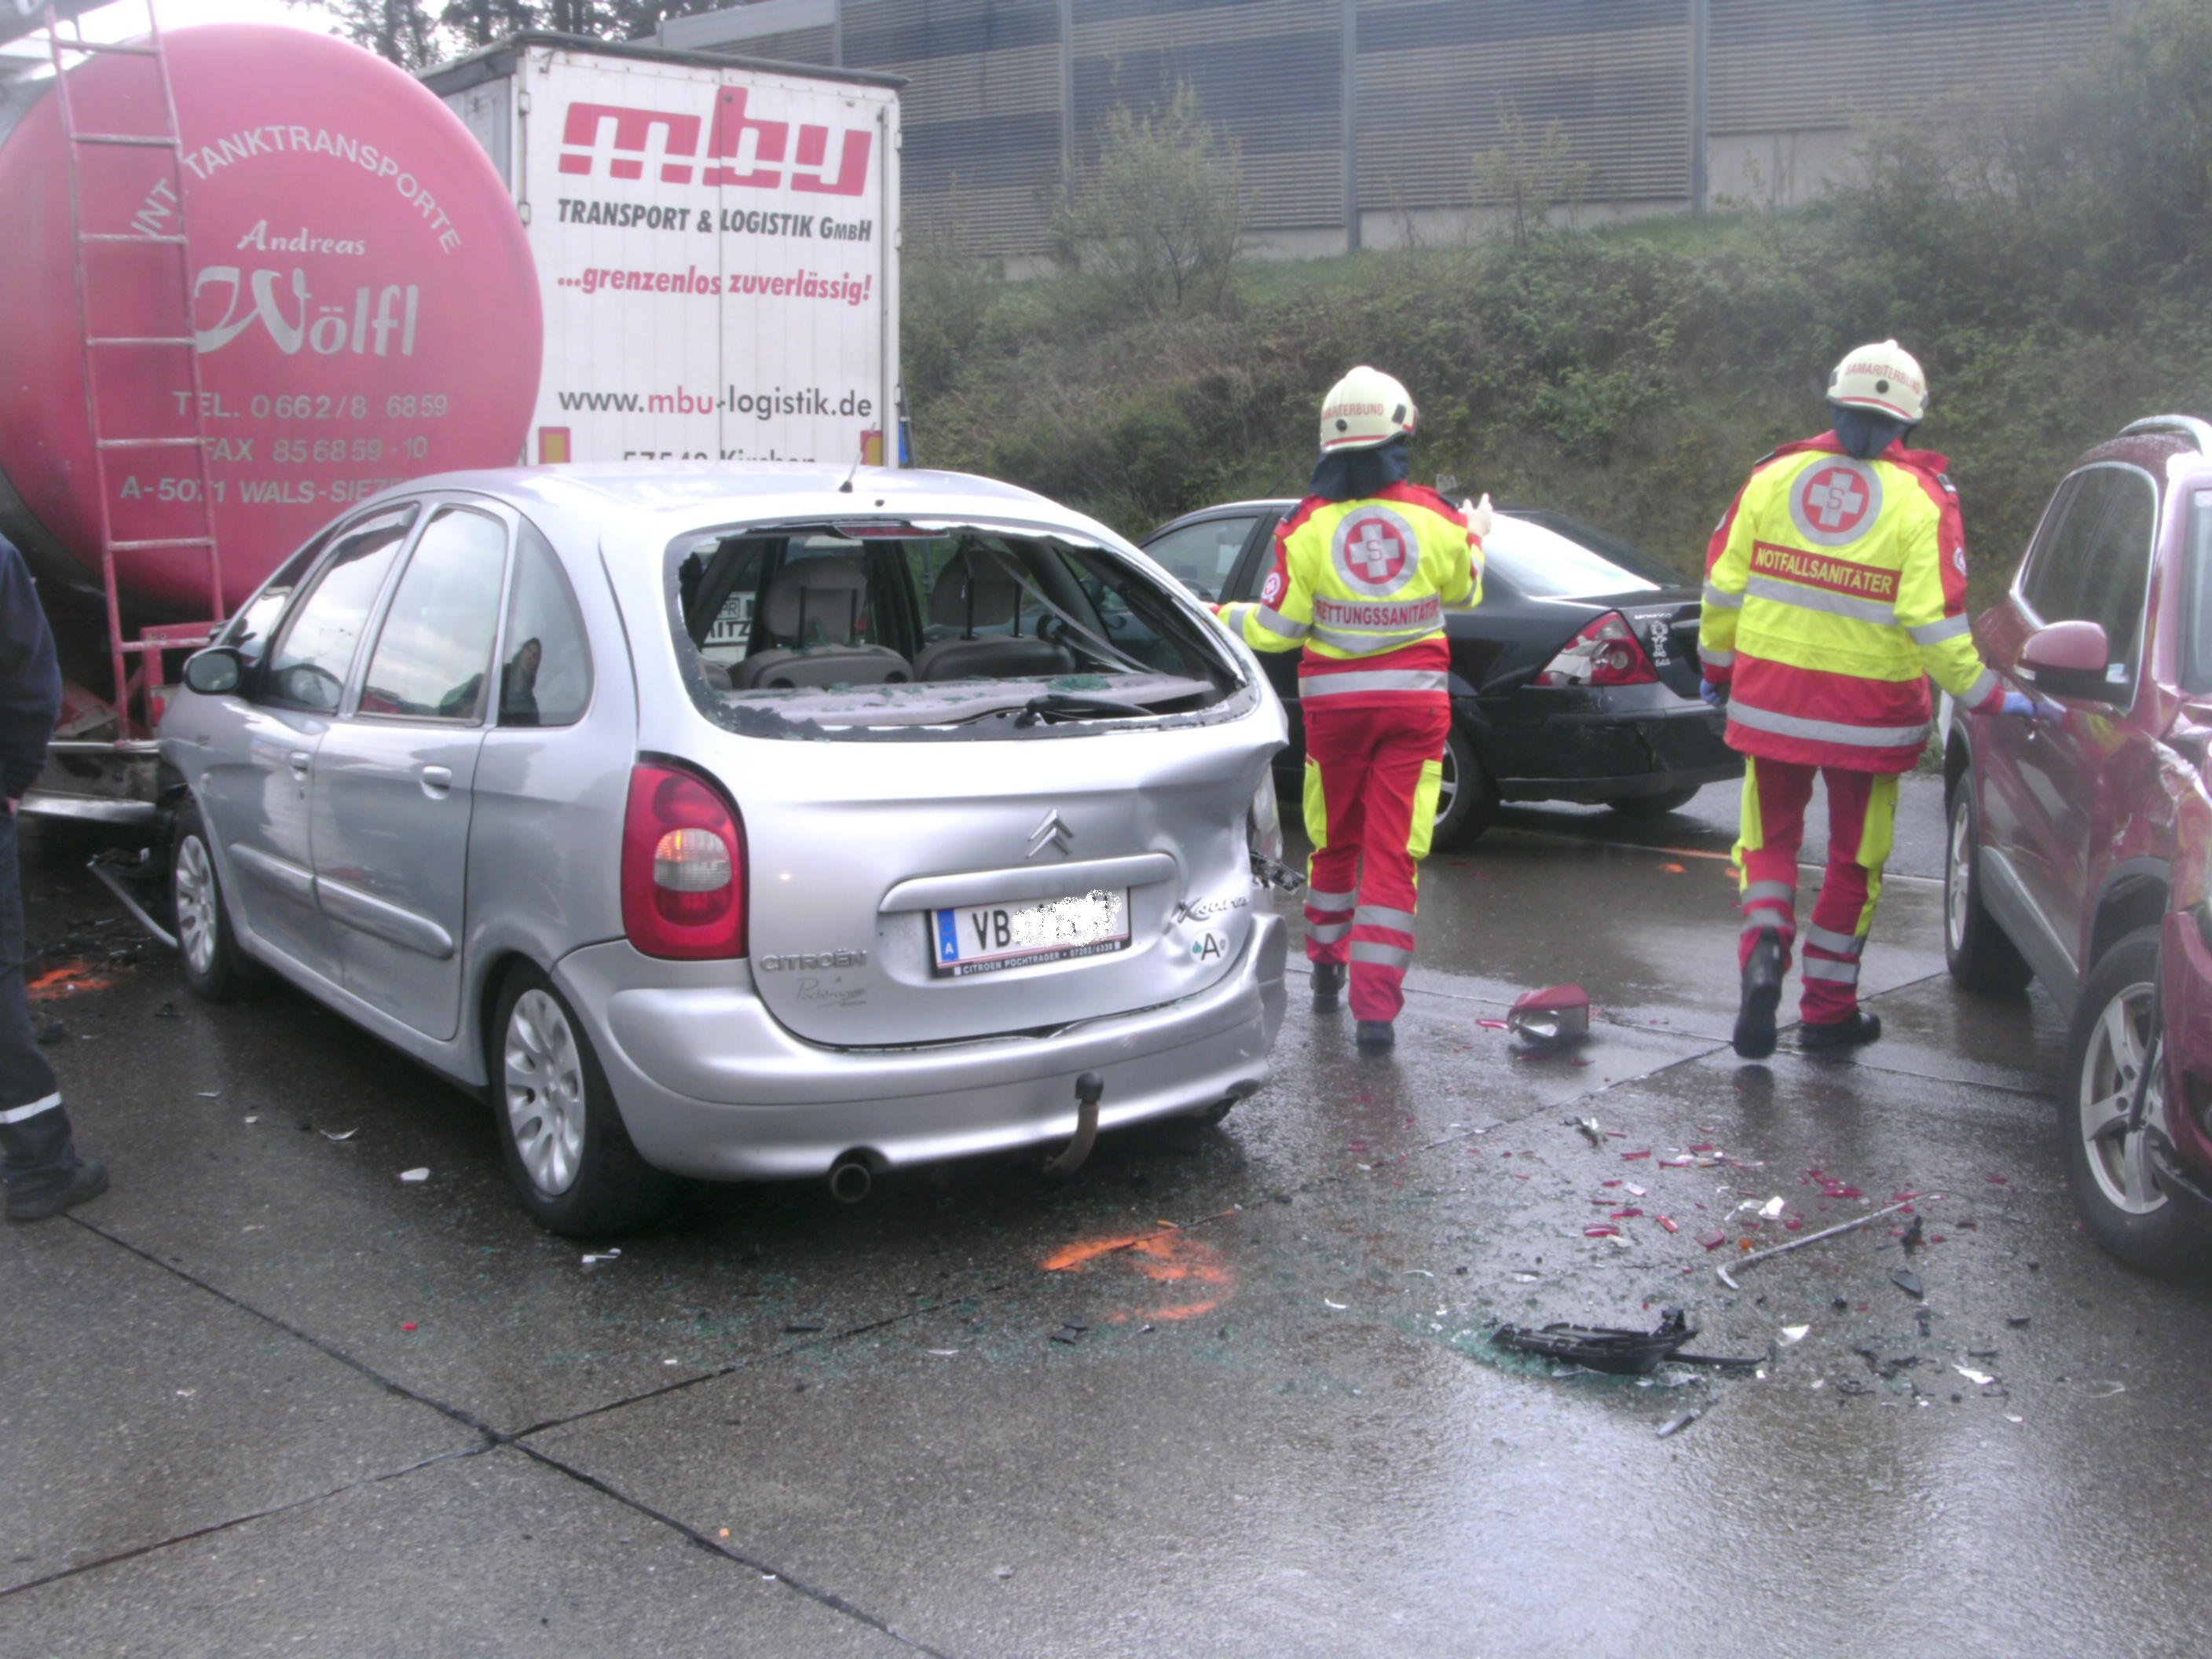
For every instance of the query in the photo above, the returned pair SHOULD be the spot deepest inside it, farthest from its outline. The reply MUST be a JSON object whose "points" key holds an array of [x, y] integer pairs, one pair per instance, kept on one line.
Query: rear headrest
{"points": [[812, 601], [974, 592]]}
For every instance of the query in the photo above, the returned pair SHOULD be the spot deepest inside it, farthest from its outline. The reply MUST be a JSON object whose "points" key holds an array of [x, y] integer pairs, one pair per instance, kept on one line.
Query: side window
{"points": [[1203, 556], [435, 650], [2117, 565], [2197, 629], [546, 678], [308, 666], [2051, 584], [249, 630]]}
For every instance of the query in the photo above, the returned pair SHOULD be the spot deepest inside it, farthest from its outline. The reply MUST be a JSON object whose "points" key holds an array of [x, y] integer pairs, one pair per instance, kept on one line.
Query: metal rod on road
{"points": [[137, 911], [1809, 1238]]}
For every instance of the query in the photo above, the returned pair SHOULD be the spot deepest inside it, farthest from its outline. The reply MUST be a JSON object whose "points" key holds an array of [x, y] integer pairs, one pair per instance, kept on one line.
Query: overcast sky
{"points": [[124, 18]]}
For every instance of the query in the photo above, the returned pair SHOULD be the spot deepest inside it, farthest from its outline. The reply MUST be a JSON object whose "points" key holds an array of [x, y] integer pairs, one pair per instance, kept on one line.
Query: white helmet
{"points": [[1884, 378], [1365, 409]]}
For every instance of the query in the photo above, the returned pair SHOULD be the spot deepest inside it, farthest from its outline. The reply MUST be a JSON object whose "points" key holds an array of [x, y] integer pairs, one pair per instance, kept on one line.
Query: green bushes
{"points": [[2052, 267]]}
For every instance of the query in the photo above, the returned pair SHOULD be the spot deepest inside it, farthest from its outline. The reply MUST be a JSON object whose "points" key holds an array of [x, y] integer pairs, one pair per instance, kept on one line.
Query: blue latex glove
{"points": [[2027, 707], [1715, 696]]}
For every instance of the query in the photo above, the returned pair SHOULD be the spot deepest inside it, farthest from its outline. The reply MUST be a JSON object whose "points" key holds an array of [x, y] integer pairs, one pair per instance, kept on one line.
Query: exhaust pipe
{"points": [[850, 1178]]}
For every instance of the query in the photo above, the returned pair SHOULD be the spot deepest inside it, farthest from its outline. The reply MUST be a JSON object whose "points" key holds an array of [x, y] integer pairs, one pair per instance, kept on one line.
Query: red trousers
{"points": [[1371, 800], [1861, 827]]}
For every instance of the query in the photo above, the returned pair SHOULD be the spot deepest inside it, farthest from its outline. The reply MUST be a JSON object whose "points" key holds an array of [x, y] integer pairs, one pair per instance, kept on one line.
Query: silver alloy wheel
{"points": [[2119, 1160], [1956, 871], [1447, 784], [195, 905], [545, 1091]]}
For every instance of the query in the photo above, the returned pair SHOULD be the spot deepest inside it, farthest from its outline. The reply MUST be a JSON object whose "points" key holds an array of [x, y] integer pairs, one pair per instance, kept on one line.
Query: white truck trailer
{"points": [[717, 247]]}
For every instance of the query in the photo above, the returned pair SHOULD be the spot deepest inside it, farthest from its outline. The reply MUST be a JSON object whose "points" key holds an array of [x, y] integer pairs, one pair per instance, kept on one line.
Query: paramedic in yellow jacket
{"points": [[1835, 586], [1365, 567]]}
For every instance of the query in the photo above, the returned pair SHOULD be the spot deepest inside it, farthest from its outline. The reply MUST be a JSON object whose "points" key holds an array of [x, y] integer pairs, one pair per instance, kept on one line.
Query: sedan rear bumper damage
{"points": [[711, 1085], [1611, 744]]}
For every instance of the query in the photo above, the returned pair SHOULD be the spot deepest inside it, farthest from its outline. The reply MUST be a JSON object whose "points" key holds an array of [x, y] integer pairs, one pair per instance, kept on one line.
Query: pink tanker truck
{"points": [[251, 275]]}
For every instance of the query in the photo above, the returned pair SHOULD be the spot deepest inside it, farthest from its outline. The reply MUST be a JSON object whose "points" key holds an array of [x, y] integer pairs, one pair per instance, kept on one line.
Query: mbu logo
{"points": [[743, 152]]}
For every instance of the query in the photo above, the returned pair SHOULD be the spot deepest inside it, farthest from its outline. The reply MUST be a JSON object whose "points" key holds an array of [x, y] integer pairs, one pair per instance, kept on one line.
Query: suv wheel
{"points": [[1975, 948], [2108, 1166], [559, 1131], [1465, 801]]}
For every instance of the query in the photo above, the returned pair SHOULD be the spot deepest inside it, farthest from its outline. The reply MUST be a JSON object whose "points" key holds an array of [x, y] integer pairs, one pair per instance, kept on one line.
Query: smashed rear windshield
{"points": [[889, 630]]}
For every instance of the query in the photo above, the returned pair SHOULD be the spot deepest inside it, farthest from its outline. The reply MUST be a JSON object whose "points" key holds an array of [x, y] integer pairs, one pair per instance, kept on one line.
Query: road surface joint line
{"points": [[492, 1437], [746, 1363], [213, 1528], [829, 1599]]}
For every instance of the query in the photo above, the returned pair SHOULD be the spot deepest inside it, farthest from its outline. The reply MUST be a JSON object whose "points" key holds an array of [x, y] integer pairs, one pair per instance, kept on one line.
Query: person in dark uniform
{"points": [[38, 1162]]}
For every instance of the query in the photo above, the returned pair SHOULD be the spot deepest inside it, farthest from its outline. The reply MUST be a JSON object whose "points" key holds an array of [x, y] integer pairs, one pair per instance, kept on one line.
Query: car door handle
{"points": [[299, 760], [436, 780]]}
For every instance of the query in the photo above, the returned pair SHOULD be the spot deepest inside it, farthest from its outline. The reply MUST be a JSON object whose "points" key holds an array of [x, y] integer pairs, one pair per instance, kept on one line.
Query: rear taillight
{"points": [[1606, 653], [682, 866]]}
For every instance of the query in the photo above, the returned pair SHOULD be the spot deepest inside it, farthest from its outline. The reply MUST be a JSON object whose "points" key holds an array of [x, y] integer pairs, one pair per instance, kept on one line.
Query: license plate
{"points": [[983, 938]]}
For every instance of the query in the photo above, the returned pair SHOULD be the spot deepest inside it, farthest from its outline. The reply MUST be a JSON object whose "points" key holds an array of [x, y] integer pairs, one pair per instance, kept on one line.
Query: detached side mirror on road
{"points": [[2072, 659], [214, 672]]}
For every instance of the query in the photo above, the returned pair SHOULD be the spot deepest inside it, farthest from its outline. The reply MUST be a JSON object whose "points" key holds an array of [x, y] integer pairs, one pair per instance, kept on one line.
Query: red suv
{"points": [[2081, 842]]}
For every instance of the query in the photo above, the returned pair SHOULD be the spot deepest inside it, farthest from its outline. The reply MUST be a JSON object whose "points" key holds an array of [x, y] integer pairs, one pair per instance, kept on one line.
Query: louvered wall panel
{"points": [[981, 111], [1267, 74], [791, 47], [1619, 96], [1791, 65]]}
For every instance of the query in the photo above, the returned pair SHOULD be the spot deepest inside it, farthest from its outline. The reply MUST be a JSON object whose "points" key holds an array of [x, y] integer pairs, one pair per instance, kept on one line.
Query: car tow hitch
{"points": [[1071, 1157]]}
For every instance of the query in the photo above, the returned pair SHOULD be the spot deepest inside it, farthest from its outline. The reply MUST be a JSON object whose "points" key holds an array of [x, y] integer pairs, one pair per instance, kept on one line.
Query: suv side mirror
{"points": [[217, 671], [2071, 659]]}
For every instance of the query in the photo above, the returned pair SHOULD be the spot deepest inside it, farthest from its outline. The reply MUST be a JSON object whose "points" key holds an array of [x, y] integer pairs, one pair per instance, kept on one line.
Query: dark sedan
{"points": [[1575, 679]]}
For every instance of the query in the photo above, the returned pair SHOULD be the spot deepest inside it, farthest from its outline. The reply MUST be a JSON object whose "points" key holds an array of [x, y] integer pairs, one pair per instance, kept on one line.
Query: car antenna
{"points": [[846, 487]]}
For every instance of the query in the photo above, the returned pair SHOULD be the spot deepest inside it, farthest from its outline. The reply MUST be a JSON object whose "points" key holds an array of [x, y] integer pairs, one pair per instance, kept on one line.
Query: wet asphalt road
{"points": [[1226, 1393]]}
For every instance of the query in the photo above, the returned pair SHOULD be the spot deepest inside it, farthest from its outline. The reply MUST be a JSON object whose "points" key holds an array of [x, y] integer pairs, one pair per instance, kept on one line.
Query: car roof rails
{"points": [[2180, 426]]}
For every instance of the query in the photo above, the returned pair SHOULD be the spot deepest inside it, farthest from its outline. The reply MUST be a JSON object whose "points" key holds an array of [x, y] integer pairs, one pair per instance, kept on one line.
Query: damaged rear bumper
{"points": [[711, 1085]]}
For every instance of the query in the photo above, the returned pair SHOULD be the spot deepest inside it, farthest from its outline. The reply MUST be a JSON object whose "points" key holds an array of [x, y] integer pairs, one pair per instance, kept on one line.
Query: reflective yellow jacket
{"points": [[1834, 588], [1364, 585]]}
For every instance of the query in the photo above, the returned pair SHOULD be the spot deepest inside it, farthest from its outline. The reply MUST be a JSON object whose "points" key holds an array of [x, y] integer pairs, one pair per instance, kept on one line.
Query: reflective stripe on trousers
{"points": [[1862, 820], [1314, 686], [1370, 801]]}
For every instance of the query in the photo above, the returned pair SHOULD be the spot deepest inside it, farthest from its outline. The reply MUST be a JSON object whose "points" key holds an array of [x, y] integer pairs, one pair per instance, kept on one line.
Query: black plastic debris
{"points": [[1069, 1331], [1909, 1281], [2020, 1322], [800, 1330], [1616, 1352], [1915, 1235]]}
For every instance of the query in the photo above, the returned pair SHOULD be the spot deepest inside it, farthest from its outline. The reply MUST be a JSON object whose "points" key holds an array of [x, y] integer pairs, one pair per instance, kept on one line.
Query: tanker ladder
{"points": [[112, 778]]}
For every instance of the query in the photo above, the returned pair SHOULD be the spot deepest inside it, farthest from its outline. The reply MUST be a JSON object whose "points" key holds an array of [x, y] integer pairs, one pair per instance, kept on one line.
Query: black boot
{"points": [[40, 1165], [1762, 991], [1861, 1027], [1377, 1034], [1327, 986]]}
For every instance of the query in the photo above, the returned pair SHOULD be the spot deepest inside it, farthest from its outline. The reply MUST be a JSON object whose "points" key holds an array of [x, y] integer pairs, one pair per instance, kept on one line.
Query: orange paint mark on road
{"points": [[66, 980], [1166, 1257]]}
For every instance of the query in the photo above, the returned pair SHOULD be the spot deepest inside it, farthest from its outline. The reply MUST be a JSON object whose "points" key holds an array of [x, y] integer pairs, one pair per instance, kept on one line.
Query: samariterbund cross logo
{"points": [[1375, 551], [1836, 503]]}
